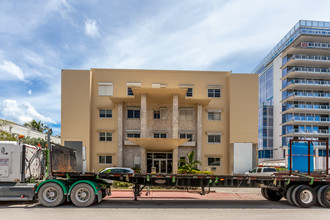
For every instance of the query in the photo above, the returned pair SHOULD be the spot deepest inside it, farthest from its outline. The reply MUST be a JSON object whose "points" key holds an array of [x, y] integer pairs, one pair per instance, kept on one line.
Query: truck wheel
{"points": [[323, 196], [273, 195], [288, 194], [51, 195], [82, 195], [316, 189], [304, 196], [263, 193]]}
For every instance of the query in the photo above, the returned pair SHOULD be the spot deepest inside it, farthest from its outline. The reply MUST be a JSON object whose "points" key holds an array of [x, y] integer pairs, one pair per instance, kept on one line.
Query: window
{"points": [[133, 113], [213, 93], [105, 113], [213, 115], [105, 159], [130, 86], [214, 138], [156, 114], [129, 91], [160, 114], [160, 135], [133, 135], [186, 114], [105, 136], [105, 89], [213, 161], [189, 92], [186, 136]]}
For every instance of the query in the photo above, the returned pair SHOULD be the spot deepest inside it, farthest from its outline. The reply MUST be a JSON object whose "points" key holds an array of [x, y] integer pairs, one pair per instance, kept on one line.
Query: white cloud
{"points": [[91, 28], [29, 92], [13, 69], [22, 112]]}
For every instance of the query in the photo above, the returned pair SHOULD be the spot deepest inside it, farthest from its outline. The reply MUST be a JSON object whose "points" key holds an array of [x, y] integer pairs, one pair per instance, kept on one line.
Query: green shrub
{"points": [[118, 184]]}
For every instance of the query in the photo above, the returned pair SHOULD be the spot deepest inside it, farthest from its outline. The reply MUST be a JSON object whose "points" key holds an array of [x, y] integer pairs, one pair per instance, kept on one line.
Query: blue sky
{"points": [[38, 38]]}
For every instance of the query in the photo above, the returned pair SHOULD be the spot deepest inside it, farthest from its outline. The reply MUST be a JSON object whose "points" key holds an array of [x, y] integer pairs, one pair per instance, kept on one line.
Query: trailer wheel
{"points": [[51, 195], [263, 193], [316, 189], [323, 196], [304, 196], [288, 194], [273, 195], [82, 195]]}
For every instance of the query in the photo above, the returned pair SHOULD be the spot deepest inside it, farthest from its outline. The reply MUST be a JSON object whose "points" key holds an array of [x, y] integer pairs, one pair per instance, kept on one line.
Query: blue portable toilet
{"points": [[300, 157]]}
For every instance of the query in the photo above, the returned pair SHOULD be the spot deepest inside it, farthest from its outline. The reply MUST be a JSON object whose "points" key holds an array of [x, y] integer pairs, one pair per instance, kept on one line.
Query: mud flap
{"points": [[99, 196]]}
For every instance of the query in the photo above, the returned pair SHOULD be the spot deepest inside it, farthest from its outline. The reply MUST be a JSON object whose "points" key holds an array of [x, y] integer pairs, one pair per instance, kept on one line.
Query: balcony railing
{"points": [[309, 58], [309, 70], [312, 82], [316, 45], [308, 94], [307, 107], [316, 132], [300, 118]]}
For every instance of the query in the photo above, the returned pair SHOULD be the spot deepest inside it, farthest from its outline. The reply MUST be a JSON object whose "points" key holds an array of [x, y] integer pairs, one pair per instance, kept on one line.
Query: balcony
{"points": [[312, 84], [302, 120], [306, 108], [307, 96], [308, 72], [306, 133], [298, 59]]}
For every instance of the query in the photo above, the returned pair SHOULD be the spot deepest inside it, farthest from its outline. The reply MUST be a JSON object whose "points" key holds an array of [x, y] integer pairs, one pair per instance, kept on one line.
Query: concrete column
{"points": [[120, 134], [199, 133], [175, 131], [143, 116]]}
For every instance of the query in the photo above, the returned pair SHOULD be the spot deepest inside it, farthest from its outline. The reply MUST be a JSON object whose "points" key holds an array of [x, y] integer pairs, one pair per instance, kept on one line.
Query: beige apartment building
{"points": [[153, 118]]}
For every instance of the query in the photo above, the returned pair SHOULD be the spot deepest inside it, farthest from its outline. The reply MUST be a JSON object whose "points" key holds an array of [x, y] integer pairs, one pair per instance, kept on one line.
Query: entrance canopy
{"points": [[158, 144]]}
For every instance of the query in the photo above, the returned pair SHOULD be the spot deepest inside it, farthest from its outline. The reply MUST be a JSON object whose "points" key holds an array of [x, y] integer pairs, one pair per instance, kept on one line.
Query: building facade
{"points": [[294, 91], [153, 118]]}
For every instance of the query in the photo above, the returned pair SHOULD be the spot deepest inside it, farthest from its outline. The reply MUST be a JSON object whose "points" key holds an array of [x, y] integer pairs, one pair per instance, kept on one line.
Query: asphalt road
{"points": [[169, 209]]}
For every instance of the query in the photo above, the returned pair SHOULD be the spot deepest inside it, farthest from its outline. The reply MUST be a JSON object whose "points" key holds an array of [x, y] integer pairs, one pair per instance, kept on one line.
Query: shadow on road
{"points": [[167, 204]]}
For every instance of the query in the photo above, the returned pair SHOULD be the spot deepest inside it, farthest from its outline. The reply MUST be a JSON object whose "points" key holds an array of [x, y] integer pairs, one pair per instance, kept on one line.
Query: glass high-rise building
{"points": [[294, 91]]}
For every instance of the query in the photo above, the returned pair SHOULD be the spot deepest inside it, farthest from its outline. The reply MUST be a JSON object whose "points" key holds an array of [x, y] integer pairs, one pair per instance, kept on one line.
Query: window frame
{"points": [[214, 134], [160, 134], [214, 93], [185, 136], [106, 136], [215, 160], [134, 113], [192, 92], [213, 112], [105, 159], [105, 113], [184, 117], [105, 84], [156, 114]]}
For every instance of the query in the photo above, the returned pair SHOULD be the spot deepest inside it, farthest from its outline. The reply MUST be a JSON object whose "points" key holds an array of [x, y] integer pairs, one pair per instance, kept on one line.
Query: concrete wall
{"points": [[27, 132]]}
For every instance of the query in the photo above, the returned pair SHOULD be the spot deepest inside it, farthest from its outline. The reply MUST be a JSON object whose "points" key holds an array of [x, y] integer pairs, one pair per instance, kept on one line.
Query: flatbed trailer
{"points": [[299, 189], [84, 189]]}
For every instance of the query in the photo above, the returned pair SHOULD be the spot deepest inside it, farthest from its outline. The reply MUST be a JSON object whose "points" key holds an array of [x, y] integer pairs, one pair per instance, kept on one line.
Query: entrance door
{"points": [[161, 165]]}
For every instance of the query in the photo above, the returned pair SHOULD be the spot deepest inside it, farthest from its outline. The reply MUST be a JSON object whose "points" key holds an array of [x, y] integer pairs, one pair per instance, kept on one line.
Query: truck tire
{"points": [[83, 195], [316, 189], [304, 196], [323, 196], [263, 193], [273, 195], [288, 194], [51, 195]]}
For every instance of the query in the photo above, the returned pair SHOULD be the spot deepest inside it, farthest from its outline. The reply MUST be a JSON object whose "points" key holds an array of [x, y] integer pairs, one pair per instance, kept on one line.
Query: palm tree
{"points": [[191, 165], [36, 125]]}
